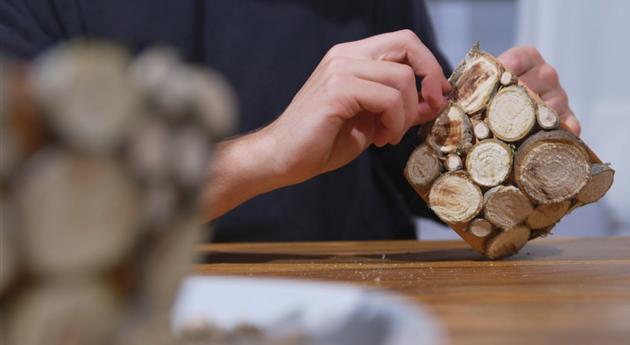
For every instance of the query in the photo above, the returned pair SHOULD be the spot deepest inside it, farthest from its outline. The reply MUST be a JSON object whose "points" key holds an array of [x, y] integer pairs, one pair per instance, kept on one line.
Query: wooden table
{"points": [[556, 291]]}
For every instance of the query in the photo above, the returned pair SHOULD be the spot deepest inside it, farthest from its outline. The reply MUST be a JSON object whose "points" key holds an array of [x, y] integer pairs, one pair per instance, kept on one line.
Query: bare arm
{"points": [[362, 93]]}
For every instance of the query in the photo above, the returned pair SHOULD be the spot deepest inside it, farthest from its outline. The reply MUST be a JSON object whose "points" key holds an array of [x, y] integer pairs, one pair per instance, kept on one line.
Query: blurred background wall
{"points": [[588, 43]]}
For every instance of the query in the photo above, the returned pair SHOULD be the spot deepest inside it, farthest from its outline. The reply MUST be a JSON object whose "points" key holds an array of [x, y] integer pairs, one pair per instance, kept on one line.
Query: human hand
{"points": [[528, 64], [362, 93]]}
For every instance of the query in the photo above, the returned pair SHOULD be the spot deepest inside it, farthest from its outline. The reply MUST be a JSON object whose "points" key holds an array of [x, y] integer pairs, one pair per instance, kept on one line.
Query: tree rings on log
{"points": [[551, 167], [79, 214], [453, 162], [507, 78], [480, 227], [511, 114], [602, 176], [451, 131], [508, 242], [475, 80], [489, 162], [423, 166], [545, 215], [85, 313], [455, 198], [85, 90], [506, 206], [547, 118]]}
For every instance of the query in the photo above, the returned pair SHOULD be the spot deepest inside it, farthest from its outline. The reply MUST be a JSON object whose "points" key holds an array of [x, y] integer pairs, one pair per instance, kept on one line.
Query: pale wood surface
{"points": [[556, 291]]}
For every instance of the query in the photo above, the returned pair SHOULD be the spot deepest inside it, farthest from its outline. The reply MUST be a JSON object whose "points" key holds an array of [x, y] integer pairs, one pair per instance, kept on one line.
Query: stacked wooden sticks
{"points": [[496, 166], [102, 158]]}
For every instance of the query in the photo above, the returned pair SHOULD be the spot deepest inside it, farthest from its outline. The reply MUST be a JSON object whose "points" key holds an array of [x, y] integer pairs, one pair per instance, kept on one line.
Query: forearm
{"points": [[241, 169]]}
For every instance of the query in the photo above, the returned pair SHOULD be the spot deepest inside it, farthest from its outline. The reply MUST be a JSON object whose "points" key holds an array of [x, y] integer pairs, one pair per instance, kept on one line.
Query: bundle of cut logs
{"points": [[102, 157], [496, 164]]}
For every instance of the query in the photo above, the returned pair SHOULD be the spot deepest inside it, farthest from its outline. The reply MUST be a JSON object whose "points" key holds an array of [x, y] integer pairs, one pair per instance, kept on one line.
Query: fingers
{"points": [[557, 99], [521, 59], [528, 64], [541, 79], [395, 75], [403, 47], [360, 95], [571, 123]]}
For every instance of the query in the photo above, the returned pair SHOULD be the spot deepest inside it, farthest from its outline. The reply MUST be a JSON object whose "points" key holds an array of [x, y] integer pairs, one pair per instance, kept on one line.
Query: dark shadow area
{"points": [[456, 254], [533, 251]]}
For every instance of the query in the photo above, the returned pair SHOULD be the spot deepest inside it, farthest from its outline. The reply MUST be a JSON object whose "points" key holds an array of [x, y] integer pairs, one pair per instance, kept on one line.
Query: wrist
{"points": [[241, 169]]}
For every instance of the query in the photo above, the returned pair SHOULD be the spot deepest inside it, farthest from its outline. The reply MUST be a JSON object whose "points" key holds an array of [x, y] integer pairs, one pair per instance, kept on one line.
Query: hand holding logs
{"points": [[522, 173]]}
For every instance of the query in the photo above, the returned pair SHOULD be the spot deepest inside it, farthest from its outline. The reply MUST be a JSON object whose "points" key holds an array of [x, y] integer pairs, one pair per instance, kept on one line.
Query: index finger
{"points": [[404, 47]]}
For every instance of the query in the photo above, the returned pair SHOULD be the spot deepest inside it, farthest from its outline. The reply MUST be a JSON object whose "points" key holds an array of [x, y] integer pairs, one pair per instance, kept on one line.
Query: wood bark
{"points": [[552, 167], [167, 262], [8, 252], [602, 176], [489, 162], [508, 242], [189, 153], [506, 206], [455, 198], [545, 215], [148, 150], [451, 131], [511, 114], [423, 166]]}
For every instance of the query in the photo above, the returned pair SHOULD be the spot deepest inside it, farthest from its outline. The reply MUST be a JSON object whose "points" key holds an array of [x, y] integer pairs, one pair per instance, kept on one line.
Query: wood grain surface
{"points": [[555, 291]]}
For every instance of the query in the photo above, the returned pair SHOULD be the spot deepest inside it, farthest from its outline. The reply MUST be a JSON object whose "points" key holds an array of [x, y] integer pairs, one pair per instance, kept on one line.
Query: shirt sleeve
{"points": [[390, 160]]}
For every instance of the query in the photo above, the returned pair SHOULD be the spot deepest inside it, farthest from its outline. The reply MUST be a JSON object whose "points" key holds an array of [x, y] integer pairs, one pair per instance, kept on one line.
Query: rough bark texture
{"points": [[546, 215], [489, 162], [535, 172], [551, 167], [511, 114], [451, 131], [508, 242], [423, 166], [602, 176], [506, 206]]}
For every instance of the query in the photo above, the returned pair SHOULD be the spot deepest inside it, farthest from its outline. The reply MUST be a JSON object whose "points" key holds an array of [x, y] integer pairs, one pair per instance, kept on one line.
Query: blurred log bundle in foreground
{"points": [[102, 158], [496, 166]]}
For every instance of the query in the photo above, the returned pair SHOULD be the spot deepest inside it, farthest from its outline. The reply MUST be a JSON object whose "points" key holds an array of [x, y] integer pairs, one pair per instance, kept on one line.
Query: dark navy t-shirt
{"points": [[266, 49]]}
